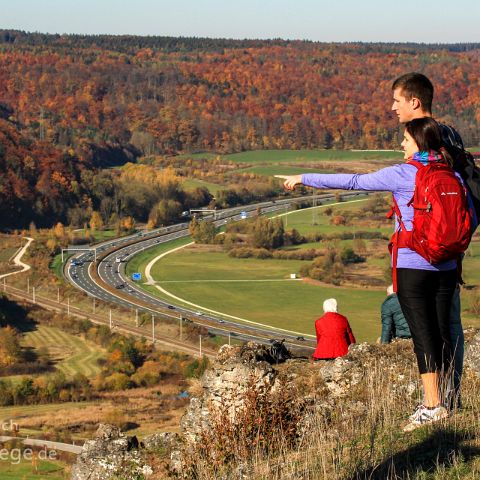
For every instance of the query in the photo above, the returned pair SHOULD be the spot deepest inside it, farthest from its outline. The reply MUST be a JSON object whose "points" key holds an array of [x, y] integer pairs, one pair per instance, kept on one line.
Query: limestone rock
{"points": [[163, 440], [236, 369], [108, 454]]}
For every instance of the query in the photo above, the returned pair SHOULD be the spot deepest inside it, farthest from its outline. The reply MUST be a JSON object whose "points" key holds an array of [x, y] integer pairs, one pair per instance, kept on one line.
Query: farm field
{"points": [[70, 354], [310, 220], [298, 156], [199, 276], [258, 290], [192, 183], [267, 163], [7, 253], [9, 245], [141, 411], [270, 170]]}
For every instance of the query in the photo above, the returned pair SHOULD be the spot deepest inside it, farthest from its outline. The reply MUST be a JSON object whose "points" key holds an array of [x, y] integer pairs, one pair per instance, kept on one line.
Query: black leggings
{"points": [[425, 297]]}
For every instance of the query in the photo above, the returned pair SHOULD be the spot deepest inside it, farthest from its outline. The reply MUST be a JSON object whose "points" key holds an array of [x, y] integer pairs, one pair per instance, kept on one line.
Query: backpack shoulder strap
{"points": [[416, 164]]}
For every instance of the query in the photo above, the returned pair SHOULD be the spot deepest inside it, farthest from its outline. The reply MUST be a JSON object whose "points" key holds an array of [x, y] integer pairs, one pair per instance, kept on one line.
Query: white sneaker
{"points": [[424, 415], [418, 410]]}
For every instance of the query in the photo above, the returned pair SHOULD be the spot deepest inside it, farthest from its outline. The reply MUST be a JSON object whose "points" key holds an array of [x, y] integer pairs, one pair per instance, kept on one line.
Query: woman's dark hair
{"points": [[427, 135]]}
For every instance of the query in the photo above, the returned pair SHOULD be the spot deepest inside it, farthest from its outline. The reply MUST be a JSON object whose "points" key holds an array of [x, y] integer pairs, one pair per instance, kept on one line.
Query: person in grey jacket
{"points": [[394, 324]]}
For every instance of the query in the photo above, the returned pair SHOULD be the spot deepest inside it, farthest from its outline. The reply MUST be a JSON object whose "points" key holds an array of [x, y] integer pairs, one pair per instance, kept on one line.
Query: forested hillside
{"points": [[166, 95], [42, 183], [71, 105]]}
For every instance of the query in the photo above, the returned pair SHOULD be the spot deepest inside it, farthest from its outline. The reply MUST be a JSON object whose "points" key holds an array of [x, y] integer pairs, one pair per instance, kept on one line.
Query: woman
{"points": [[424, 290], [334, 334]]}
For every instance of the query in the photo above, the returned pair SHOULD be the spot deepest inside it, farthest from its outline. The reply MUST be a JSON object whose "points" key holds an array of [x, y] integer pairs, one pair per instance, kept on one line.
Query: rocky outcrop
{"points": [[312, 389], [236, 370], [306, 391], [108, 455]]}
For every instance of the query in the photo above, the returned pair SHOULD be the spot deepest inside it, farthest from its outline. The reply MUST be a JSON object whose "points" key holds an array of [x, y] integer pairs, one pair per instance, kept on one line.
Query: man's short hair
{"points": [[416, 85]]}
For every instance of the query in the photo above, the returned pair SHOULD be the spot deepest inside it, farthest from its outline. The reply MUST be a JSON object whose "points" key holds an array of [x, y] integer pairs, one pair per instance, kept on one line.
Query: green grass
{"points": [[206, 155], [191, 184], [20, 411], [10, 470], [300, 304], [270, 170], [314, 220], [286, 156], [140, 261], [471, 276], [71, 354], [56, 264], [291, 305], [101, 235]]}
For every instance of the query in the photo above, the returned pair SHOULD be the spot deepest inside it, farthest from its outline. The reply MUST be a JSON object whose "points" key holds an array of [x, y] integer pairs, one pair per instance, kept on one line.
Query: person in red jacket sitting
{"points": [[334, 334]]}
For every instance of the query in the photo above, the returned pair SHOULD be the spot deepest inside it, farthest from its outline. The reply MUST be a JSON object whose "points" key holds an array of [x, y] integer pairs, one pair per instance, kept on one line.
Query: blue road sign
{"points": [[136, 276]]}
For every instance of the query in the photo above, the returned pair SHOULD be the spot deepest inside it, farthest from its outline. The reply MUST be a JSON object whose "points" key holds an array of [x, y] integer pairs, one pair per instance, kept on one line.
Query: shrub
{"points": [[117, 381], [196, 368], [349, 256]]}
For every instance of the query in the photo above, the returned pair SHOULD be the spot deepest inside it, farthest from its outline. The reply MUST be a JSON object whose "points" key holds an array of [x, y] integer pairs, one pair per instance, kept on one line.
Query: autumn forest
{"points": [[70, 106]]}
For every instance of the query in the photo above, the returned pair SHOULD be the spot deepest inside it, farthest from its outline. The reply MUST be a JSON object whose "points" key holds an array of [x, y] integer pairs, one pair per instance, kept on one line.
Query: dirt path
{"points": [[17, 260]]}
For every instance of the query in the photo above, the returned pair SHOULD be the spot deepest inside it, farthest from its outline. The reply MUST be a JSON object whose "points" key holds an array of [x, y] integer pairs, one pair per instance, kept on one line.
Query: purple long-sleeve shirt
{"points": [[398, 179]]}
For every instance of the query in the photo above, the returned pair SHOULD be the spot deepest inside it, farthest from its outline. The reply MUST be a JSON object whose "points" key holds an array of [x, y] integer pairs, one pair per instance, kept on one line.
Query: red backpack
{"points": [[442, 222]]}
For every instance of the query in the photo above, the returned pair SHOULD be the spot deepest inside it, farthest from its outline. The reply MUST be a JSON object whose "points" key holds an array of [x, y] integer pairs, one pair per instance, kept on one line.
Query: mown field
{"points": [[9, 245], [7, 253], [267, 163], [70, 354], [251, 289], [298, 156], [192, 183]]}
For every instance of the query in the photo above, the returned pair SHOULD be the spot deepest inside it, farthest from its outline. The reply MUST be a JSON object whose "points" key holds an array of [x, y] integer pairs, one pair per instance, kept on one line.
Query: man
{"points": [[412, 98], [394, 324]]}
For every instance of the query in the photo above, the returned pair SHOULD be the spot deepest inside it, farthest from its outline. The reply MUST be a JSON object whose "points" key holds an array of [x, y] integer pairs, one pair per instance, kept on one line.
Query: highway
{"points": [[101, 273]]}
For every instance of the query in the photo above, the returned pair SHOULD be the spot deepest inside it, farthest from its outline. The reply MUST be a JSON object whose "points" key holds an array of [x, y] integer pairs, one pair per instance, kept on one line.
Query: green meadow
{"points": [[192, 183], [288, 156], [270, 170], [7, 253], [261, 291], [312, 220]]}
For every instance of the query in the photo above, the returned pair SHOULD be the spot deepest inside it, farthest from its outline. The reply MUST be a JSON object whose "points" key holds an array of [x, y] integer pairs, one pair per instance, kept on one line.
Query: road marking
{"points": [[221, 281]]}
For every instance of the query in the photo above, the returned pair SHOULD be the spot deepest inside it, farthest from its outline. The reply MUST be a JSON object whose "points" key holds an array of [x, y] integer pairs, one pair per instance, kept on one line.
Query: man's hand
{"points": [[290, 180]]}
